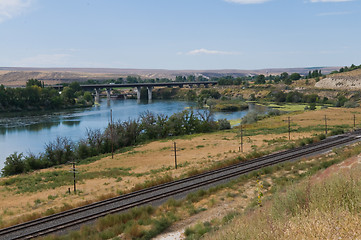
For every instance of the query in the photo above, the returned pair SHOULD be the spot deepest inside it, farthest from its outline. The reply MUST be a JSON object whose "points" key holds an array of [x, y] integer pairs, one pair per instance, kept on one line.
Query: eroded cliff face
{"points": [[339, 83], [347, 81]]}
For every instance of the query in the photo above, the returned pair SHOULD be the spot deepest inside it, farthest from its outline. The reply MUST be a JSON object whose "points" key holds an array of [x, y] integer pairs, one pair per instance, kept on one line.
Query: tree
{"points": [[179, 78], [14, 164], [312, 106], [260, 79], [75, 86], [132, 79], [279, 96], [68, 94], [191, 78], [34, 82], [295, 76], [284, 76], [88, 96]]}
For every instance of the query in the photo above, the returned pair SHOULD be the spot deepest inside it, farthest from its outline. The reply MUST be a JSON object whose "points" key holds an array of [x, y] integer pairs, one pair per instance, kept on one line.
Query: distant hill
{"points": [[14, 76], [346, 80]]}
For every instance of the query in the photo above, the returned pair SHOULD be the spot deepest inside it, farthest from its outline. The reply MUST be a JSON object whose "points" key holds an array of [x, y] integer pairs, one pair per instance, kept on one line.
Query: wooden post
{"points": [[175, 155], [289, 128], [241, 138], [354, 122], [74, 176], [111, 131], [326, 125]]}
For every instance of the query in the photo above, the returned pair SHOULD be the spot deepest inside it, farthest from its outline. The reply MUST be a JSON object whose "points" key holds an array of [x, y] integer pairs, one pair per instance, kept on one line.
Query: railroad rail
{"points": [[158, 194]]}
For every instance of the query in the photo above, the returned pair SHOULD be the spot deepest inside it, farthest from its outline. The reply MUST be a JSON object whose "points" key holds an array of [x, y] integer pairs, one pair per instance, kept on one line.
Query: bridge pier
{"points": [[150, 93], [138, 92], [97, 95], [108, 93]]}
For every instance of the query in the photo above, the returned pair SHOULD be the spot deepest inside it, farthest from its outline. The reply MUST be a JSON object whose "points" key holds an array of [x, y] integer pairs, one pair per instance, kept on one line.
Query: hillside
{"points": [[18, 76], [346, 81]]}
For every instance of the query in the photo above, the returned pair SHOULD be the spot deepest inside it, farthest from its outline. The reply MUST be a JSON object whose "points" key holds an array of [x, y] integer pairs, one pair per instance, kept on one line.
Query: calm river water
{"points": [[30, 133]]}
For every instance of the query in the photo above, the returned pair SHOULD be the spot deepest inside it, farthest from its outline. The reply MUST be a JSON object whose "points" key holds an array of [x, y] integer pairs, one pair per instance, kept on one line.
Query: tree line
{"points": [[117, 135], [347, 69], [137, 79], [35, 96], [258, 79], [312, 99]]}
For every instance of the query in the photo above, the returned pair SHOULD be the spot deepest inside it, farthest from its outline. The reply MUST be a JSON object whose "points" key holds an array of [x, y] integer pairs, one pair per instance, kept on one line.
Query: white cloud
{"points": [[247, 1], [12, 8], [209, 52], [45, 60], [315, 1]]}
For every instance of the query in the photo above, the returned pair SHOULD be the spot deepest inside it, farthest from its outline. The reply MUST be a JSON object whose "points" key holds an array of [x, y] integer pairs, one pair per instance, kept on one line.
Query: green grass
{"points": [[50, 180], [235, 122], [197, 231], [289, 107]]}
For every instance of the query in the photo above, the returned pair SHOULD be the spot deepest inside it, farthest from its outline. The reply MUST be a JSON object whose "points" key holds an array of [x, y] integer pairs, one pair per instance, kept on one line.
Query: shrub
{"points": [[351, 104], [14, 164], [251, 117], [274, 112], [125, 134], [337, 131], [224, 124]]}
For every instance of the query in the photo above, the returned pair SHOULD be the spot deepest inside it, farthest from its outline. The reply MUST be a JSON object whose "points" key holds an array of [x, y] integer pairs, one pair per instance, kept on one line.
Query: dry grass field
{"points": [[108, 177], [330, 210]]}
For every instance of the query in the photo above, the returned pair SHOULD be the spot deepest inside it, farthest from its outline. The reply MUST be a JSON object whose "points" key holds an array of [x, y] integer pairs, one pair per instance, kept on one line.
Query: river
{"points": [[30, 132]]}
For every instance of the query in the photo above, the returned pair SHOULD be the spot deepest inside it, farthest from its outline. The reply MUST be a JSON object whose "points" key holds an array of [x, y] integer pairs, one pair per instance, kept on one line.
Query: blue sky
{"points": [[180, 34]]}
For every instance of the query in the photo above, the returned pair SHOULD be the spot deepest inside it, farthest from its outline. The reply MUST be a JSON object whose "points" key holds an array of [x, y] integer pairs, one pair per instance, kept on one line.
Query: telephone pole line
{"points": [[241, 138], [175, 155], [111, 131], [289, 128], [74, 172]]}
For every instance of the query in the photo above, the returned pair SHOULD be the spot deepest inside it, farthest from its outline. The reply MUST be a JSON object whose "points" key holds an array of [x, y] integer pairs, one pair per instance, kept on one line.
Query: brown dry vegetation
{"points": [[346, 80], [331, 210], [195, 152], [206, 210]]}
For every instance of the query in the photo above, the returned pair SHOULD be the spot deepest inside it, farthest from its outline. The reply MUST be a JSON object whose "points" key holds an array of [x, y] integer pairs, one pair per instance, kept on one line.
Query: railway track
{"points": [[161, 193]]}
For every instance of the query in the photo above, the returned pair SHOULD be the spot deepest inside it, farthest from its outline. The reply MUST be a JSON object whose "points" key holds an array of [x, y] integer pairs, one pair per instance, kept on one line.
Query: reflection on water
{"points": [[28, 127], [27, 132], [71, 123], [258, 108]]}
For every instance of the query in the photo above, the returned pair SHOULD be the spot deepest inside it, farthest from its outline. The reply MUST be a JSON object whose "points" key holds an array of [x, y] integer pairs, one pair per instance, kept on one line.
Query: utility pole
{"points": [[175, 155], [111, 131], [289, 128], [326, 125], [241, 138], [354, 122], [73, 170]]}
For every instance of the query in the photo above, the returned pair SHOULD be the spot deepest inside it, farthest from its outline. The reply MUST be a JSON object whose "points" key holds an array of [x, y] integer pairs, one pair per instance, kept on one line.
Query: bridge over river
{"points": [[149, 86]]}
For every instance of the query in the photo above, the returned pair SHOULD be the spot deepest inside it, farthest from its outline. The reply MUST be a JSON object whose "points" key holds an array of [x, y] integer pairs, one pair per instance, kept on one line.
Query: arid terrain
{"points": [[149, 161], [346, 81], [19, 76]]}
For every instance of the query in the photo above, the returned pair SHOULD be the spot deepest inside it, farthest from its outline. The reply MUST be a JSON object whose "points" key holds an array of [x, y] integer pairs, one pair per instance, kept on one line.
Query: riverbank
{"points": [[45, 191]]}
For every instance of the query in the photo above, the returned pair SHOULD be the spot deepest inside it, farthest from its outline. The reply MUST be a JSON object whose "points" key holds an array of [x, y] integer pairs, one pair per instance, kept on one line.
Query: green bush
{"points": [[125, 134], [14, 164], [251, 117], [351, 104], [224, 124]]}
